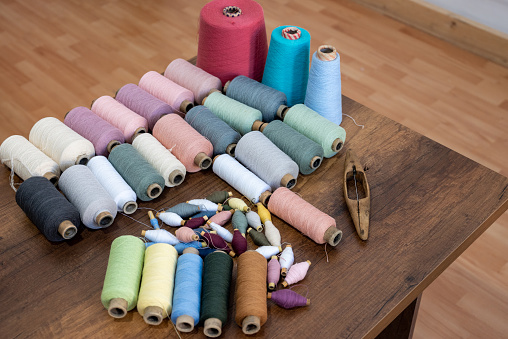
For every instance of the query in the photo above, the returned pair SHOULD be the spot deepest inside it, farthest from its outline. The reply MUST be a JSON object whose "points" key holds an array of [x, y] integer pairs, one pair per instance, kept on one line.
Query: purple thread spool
{"points": [[288, 299], [273, 274], [101, 133], [143, 103]]}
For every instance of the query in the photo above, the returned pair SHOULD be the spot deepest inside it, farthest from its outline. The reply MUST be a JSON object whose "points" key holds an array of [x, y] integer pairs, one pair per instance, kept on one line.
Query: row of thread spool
{"points": [[192, 302]]}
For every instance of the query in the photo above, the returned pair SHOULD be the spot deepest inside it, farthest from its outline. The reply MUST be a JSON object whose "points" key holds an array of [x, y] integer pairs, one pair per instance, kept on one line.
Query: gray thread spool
{"points": [[137, 172], [220, 134], [257, 95], [96, 207], [256, 152]]}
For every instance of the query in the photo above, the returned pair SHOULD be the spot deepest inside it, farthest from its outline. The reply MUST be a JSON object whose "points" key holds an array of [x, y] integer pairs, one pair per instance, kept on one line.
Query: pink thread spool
{"points": [[166, 90], [232, 39], [186, 234], [288, 299], [273, 275], [190, 147], [221, 218], [101, 133], [300, 214], [143, 103], [296, 273], [193, 78], [127, 121]]}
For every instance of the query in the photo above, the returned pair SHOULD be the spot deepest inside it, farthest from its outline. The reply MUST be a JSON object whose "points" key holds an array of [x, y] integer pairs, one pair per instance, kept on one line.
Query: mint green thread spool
{"points": [[315, 127], [123, 275]]}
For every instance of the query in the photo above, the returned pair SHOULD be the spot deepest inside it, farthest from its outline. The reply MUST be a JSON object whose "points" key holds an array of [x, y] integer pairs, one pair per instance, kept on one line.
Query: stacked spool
{"points": [[181, 99]]}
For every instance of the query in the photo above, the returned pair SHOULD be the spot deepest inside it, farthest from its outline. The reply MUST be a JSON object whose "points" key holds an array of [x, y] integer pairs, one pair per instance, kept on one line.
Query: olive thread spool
{"points": [[315, 127], [137, 172], [219, 197], [256, 95], [123, 275], [55, 217], [304, 151], [250, 295], [217, 272], [258, 238]]}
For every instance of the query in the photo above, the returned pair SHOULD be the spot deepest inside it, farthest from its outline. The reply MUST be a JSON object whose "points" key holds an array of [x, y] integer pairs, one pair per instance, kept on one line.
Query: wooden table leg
{"points": [[403, 325]]}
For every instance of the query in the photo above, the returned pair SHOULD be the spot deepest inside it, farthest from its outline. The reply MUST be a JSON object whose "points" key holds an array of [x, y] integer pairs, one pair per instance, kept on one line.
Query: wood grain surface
{"points": [[428, 204]]}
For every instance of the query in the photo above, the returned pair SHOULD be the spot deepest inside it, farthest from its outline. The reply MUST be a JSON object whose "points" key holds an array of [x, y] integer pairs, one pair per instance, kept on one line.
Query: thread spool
{"points": [[288, 299], [190, 147], [205, 205], [258, 238], [96, 207], [287, 63], [166, 164], [160, 236], [137, 172], [273, 274], [143, 103], [26, 160], [219, 197], [236, 175], [181, 99], [101, 133], [324, 87], [239, 243], [240, 222], [251, 309], [232, 39], [256, 95], [315, 127], [215, 241], [199, 245], [220, 134], [171, 219], [55, 217], [114, 184], [198, 81], [123, 275], [287, 258], [263, 158], [302, 150], [238, 204], [254, 220], [184, 210], [306, 218], [61, 143], [196, 222], [271, 232], [207, 214], [156, 291], [237, 115], [268, 251], [186, 234], [220, 218], [296, 273], [127, 121], [222, 232], [215, 292]]}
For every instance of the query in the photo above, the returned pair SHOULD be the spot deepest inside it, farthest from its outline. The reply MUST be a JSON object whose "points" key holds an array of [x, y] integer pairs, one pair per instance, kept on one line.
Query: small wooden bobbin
{"points": [[315, 162], [191, 250], [82, 159], [52, 177], [195, 237], [104, 219], [231, 149], [265, 197], [226, 86], [258, 125], [130, 207], [332, 236], [138, 132], [154, 190], [176, 177], [281, 111], [185, 323], [112, 144], [186, 106], [202, 160], [284, 271], [326, 53], [288, 181], [153, 315], [219, 208], [182, 223], [67, 229], [213, 327], [271, 286], [232, 254], [337, 145], [251, 324], [118, 308]]}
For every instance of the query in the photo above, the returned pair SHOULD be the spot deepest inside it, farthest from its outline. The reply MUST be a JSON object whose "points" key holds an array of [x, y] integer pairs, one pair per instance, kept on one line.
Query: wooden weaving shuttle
{"points": [[357, 194]]}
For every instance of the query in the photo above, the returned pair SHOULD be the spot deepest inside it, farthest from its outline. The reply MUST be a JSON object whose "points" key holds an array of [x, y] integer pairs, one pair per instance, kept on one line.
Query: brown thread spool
{"points": [[250, 296]]}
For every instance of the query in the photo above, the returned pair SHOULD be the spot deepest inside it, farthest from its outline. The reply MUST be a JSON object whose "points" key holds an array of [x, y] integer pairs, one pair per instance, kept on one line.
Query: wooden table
{"points": [[428, 205]]}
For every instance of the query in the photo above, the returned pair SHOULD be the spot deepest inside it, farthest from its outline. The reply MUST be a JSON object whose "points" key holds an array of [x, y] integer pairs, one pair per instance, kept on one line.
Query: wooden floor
{"points": [[58, 54]]}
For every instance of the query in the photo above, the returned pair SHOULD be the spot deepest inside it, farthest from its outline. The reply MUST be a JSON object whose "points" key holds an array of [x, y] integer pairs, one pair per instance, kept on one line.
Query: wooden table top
{"points": [[428, 205]]}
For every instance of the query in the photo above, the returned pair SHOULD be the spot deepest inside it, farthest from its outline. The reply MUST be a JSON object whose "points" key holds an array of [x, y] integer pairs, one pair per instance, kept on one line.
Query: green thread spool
{"points": [[258, 238], [219, 197], [137, 172], [215, 292], [121, 284], [315, 127]]}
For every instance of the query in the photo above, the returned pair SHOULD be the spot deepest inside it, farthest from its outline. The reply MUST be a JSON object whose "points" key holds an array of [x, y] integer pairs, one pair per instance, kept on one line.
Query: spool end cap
{"points": [[251, 324], [118, 308]]}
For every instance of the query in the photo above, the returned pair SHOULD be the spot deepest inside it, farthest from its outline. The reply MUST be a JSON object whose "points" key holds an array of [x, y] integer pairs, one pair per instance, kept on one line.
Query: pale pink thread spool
{"points": [[191, 148], [198, 81], [166, 90], [186, 234], [220, 218], [101, 133], [296, 273], [273, 275], [143, 103], [306, 218], [127, 121]]}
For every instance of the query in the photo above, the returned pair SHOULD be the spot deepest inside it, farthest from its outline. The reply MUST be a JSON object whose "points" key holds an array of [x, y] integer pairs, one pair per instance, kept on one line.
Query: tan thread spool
{"points": [[250, 296]]}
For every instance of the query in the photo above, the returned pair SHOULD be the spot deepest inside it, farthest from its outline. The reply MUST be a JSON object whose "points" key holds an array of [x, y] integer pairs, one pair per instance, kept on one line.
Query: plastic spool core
{"points": [[337, 145], [332, 236], [153, 315], [251, 324], [186, 106], [104, 219], [112, 144], [154, 190], [213, 327], [130, 207], [231, 149], [288, 181], [202, 160], [118, 308], [291, 33], [232, 11], [67, 229], [52, 177], [82, 160], [315, 162], [175, 177]]}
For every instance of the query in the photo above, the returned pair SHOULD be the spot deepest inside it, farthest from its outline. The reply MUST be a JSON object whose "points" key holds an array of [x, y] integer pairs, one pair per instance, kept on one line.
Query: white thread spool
{"points": [[221, 231], [26, 160], [96, 207], [160, 236], [243, 180], [171, 169], [205, 205], [256, 152], [61, 143], [115, 185], [287, 258], [268, 251]]}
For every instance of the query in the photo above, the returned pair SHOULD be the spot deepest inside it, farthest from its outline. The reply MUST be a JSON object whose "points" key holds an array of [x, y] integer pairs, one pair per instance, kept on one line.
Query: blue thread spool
{"points": [[287, 63]]}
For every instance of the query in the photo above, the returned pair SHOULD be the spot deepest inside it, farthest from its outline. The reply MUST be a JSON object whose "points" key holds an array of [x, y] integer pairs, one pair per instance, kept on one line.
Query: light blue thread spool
{"points": [[324, 87], [287, 63]]}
